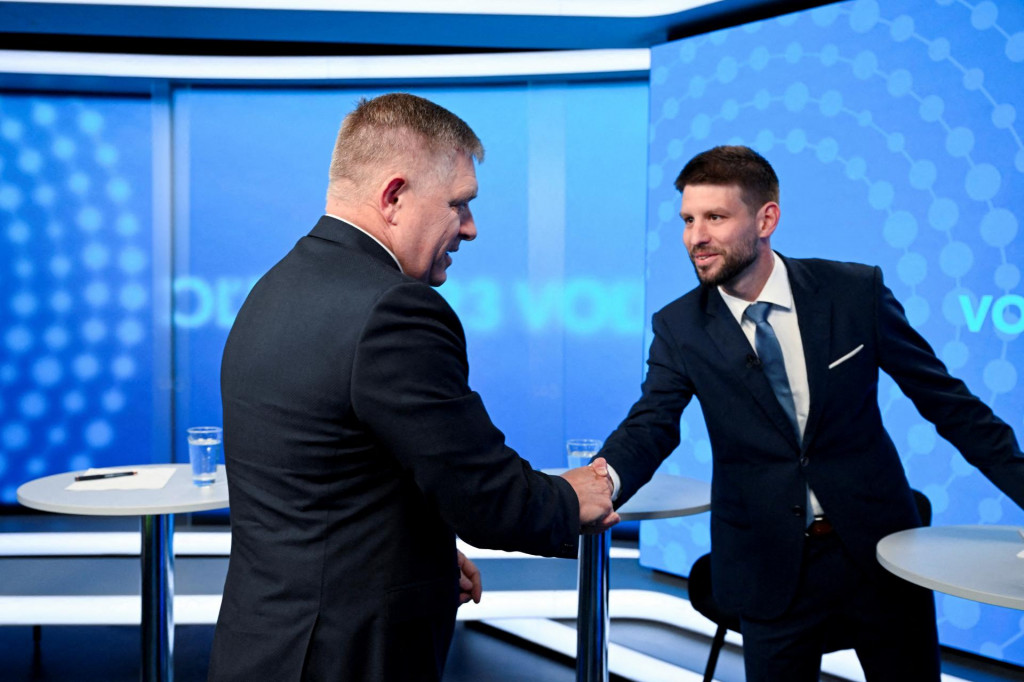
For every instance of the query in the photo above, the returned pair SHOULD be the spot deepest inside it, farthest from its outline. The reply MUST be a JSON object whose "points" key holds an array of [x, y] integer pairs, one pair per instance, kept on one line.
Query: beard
{"points": [[733, 263]]}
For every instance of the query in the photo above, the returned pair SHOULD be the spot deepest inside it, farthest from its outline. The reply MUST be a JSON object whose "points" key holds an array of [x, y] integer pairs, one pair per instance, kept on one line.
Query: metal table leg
{"points": [[158, 598], [592, 616]]}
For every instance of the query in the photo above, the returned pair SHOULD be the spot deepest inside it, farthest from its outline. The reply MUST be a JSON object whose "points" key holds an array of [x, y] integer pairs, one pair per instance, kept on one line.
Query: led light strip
{"points": [[108, 544], [327, 69], [187, 543], [556, 8]]}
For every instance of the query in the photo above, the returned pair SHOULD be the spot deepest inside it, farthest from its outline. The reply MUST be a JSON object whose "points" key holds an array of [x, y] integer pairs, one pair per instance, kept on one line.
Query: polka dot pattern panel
{"points": [[76, 315]]}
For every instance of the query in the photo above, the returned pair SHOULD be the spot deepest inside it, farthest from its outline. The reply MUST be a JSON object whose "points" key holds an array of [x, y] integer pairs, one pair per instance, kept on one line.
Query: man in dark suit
{"points": [[354, 446], [783, 355]]}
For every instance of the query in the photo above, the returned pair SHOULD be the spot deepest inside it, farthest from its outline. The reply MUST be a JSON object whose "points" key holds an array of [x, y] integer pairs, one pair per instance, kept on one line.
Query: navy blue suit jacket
{"points": [[355, 452], [760, 470]]}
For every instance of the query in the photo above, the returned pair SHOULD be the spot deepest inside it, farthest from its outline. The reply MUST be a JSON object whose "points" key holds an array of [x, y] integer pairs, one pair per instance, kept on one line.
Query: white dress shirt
{"points": [[782, 318]]}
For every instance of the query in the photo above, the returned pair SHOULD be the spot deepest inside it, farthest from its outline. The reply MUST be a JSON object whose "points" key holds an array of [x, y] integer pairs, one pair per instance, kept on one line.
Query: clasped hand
{"points": [[593, 486]]}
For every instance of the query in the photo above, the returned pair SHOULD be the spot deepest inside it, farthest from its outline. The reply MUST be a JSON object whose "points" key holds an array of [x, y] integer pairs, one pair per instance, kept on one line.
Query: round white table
{"points": [[155, 507], [664, 496], [979, 563]]}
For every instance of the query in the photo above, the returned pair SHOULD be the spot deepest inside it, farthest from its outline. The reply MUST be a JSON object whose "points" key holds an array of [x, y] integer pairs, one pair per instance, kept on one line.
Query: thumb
{"points": [[600, 466]]}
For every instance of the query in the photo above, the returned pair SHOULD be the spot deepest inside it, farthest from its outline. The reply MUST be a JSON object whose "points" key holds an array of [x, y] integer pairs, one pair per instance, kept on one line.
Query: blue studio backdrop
{"points": [[76, 318], [131, 228], [550, 289], [895, 133]]}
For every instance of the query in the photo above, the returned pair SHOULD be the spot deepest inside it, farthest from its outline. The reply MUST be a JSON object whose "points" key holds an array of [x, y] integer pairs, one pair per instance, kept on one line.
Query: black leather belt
{"points": [[819, 527]]}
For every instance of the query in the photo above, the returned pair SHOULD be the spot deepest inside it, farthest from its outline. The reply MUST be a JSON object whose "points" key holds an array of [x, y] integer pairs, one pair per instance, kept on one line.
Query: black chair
{"points": [[699, 586]]}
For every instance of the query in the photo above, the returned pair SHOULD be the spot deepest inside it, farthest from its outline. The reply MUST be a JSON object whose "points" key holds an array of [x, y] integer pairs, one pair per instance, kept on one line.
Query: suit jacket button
{"points": [[804, 461], [797, 510]]}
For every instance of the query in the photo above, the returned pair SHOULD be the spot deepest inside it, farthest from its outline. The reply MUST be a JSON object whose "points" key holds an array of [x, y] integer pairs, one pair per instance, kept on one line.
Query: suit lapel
{"points": [[814, 315], [737, 353]]}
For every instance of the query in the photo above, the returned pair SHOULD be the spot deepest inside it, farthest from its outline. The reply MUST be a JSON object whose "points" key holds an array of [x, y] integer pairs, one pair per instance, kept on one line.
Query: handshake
{"points": [[593, 486]]}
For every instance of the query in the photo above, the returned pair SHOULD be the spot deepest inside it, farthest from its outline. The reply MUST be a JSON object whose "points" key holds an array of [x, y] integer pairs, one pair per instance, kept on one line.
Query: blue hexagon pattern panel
{"points": [[896, 131]]}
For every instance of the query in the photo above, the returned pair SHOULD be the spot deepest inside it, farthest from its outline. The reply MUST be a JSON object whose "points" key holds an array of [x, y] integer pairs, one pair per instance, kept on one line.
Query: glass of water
{"points": [[581, 451], [205, 452]]}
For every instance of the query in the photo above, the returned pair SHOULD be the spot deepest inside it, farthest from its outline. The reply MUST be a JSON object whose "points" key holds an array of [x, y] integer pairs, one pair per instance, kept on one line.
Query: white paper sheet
{"points": [[146, 478]]}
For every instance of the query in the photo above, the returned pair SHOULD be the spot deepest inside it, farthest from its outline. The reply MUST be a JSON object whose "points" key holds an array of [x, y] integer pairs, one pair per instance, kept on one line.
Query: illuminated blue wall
{"points": [[895, 132], [76, 313], [550, 293]]}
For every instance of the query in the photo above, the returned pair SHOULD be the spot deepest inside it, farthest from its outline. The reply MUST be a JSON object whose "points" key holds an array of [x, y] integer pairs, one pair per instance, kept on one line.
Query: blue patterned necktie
{"points": [[769, 352]]}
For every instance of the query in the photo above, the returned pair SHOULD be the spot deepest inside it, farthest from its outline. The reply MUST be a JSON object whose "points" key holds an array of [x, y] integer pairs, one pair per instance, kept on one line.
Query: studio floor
{"points": [[484, 649]]}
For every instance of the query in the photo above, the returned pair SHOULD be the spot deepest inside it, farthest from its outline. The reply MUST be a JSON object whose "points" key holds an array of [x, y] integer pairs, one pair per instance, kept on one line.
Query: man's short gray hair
{"points": [[389, 127]]}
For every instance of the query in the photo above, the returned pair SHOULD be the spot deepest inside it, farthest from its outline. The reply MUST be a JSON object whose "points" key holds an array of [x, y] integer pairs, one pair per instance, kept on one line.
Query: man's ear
{"points": [[768, 219], [390, 197]]}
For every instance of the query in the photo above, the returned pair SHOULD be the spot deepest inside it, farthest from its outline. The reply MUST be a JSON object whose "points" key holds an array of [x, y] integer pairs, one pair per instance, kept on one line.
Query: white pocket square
{"points": [[847, 356]]}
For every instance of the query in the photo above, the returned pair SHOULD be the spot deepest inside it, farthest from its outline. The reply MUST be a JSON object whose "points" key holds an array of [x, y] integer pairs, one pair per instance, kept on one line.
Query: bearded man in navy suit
{"points": [[355, 448], [783, 355]]}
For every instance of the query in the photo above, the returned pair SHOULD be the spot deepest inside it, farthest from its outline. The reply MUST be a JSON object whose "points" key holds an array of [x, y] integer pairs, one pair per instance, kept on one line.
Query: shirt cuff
{"points": [[616, 484]]}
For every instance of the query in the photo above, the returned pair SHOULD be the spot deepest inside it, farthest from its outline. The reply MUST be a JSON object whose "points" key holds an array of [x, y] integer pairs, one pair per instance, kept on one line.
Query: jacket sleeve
{"points": [[410, 387], [985, 440], [650, 431]]}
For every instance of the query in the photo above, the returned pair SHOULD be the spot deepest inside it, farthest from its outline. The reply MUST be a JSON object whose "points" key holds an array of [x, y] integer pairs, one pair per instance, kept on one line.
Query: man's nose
{"points": [[468, 228], [695, 233]]}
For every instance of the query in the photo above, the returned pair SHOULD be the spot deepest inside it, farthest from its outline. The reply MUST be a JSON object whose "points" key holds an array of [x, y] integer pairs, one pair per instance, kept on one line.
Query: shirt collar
{"points": [[349, 222], [776, 291]]}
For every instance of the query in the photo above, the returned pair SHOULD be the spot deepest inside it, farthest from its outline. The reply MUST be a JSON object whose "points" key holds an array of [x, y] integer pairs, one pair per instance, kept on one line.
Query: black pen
{"points": [[96, 477]]}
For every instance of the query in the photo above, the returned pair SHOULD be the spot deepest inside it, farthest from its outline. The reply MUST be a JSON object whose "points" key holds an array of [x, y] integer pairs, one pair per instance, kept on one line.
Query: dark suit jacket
{"points": [[760, 470], [355, 452]]}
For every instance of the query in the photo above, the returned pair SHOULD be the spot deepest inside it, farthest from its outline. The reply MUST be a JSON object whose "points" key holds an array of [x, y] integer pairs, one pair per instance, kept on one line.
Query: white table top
{"points": [[178, 496], [663, 497], [974, 562]]}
